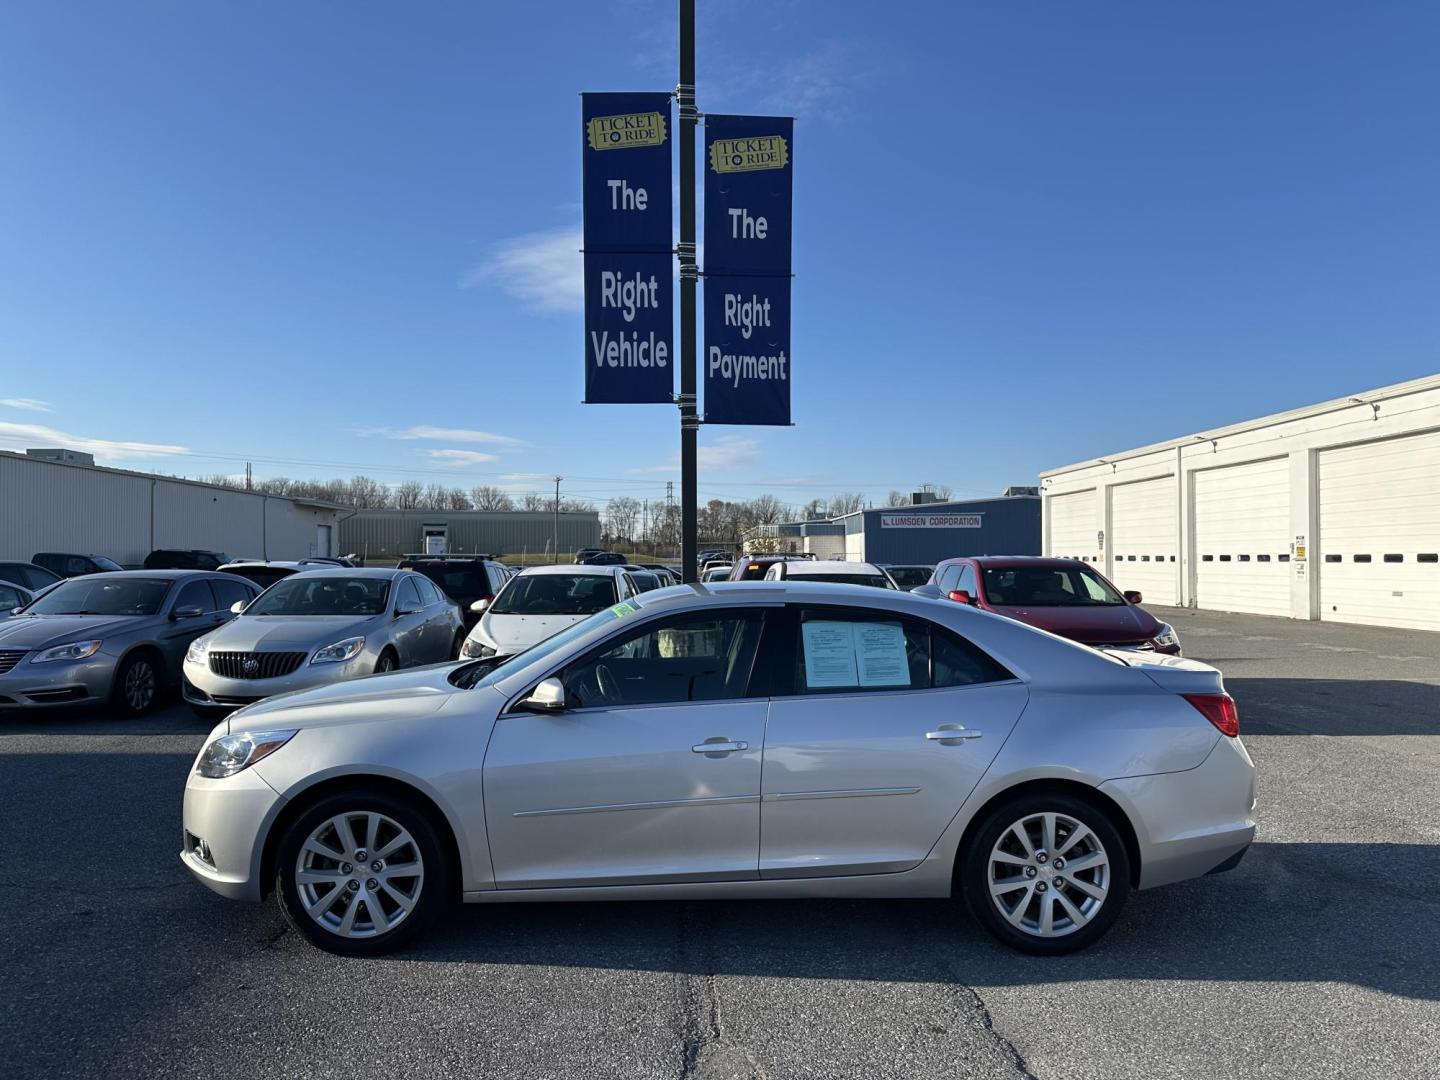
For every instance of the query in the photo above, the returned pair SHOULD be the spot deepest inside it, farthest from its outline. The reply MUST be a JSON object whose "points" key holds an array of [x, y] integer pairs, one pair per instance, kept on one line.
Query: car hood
{"points": [[277, 633], [399, 695], [509, 634], [41, 631], [1090, 625]]}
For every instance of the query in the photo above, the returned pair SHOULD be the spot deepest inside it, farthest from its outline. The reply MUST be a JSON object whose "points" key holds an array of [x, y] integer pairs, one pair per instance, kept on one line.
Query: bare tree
{"points": [[897, 498], [846, 502], [533, 500], [407, 495], [576, 506], [944, 491], [489, 497], [621, 515], [766, 510], [457, 499], [367, 494]]}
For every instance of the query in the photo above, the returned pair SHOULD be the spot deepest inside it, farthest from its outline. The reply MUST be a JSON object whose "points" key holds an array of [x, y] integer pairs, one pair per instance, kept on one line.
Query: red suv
{"points": [[1065, 596]]}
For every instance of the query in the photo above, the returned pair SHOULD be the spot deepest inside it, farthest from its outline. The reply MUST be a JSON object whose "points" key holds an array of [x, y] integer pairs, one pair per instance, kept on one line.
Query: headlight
{"points": [[1166, 637], [475, 649], [340, 651], [196, 653], [228, 754], [74, 650]]}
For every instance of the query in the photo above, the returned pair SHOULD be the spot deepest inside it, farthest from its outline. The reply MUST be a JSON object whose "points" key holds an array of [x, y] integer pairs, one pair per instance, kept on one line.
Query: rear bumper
{"points": [[1192, 823]]}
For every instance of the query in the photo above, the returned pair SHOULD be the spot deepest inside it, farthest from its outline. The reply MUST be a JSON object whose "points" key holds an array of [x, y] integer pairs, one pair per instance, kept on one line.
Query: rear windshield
{"points": [[1046, 586], [467, 580], [877, 581], [907, 577], [106, 564], [754, 571], [87, 596], [555, 594], [304, 594]]}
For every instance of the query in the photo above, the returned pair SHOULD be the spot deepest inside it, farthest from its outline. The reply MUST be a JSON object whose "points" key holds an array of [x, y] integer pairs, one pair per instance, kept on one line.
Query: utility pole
{"points": [[555, 527], [689, 274], [249, 478]]}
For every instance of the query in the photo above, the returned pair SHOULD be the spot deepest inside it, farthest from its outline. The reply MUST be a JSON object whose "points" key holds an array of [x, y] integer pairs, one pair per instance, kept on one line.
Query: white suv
{"points": [[540, 601], [843, 573]]}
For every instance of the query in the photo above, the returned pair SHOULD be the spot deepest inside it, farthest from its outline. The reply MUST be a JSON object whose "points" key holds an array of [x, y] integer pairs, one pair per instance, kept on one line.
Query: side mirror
{"points": [[547, 697], [1133, 597], [237, 607], [187, 613], [402, 612], [961, 596], [480, 606]]}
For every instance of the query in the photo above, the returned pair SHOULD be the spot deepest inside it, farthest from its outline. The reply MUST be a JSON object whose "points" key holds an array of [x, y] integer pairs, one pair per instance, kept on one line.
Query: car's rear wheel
{"points": [[361, 873], [136, 686], [1046, 872]]}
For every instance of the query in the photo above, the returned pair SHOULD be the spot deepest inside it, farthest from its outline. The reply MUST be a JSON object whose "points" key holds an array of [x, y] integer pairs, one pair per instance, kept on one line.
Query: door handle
{"points": [[953, 735], [718, 747]]}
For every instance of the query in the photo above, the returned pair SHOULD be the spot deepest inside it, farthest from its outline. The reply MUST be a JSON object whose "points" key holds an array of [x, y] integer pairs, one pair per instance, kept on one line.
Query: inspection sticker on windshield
{"points": [[623, 609]]}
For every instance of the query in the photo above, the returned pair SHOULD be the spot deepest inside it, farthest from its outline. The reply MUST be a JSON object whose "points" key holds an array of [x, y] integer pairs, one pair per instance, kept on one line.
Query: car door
{"points": [[439, 623], [408, 628], [883, 728], [651, 774], [178, 631]]}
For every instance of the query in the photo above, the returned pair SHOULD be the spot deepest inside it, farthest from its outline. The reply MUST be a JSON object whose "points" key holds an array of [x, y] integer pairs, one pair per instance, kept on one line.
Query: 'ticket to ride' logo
{"points": [[749, 153], [625, 132]]}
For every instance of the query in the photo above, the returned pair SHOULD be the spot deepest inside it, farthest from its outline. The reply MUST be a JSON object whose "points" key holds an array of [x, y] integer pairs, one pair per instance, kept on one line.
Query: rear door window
{"points": [[228, 593], [408, 598], [195, 594]]}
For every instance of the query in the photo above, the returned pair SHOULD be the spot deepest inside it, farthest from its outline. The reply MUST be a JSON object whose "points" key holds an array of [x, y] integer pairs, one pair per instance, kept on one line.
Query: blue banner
{"points": [[626, 147], [747, 350], [749, 166], [629, 320], [629, 284]]}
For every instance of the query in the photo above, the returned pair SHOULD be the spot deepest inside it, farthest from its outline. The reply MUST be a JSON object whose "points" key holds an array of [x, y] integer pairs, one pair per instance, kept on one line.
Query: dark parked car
{"points": [[605, 558], [265, 573], [755, 567], [67, 565], [585, 553], [1065, 596], [466, 579], [185, 559], [27, 575]]}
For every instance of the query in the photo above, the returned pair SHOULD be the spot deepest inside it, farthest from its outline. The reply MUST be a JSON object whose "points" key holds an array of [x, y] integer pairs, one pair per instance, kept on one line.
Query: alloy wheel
{"points": [[1049, 874], [139, 686], [359, 875]]}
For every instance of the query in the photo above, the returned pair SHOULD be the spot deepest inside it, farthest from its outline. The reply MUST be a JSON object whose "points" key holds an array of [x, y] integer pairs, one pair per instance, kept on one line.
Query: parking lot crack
{"points": [[706, 1051], [982, 1011]]}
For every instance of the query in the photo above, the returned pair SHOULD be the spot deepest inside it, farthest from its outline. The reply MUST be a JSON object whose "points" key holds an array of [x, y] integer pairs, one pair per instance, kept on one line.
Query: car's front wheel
{"points": [[1046, 873], [136, 686], [361, 873]]}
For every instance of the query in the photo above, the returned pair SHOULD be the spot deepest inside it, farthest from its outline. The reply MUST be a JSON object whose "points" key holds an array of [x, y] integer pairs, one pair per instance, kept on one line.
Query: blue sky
{"points": [[332, 238]]}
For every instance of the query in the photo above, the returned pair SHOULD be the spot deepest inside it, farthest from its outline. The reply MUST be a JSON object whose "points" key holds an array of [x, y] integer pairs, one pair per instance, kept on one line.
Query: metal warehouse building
{"points": [[58, 505], [383, 534], [923, 533], [1326, 512]]}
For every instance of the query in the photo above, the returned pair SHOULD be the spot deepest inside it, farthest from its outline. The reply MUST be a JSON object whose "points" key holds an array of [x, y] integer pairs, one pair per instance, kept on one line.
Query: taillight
{"points": [[1219, 709]]}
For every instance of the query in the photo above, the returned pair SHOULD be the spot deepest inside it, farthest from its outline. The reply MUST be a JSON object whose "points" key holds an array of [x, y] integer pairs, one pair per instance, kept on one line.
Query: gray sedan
{"points": [[786, 740], [322, 626], [114, 638]]}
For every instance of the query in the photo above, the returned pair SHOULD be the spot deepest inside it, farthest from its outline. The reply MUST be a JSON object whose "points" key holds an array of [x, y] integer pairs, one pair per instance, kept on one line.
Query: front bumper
{"points": [[1190, 823], [202, 687], [59, 684], [232, 817]]}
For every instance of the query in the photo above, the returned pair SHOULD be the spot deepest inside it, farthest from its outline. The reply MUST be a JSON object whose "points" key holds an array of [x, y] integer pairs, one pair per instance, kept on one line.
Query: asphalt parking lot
{"points": [[1318, 957]]}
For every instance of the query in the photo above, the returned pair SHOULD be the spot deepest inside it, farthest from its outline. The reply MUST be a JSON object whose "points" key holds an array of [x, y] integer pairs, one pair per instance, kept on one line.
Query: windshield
{"points": [[485, 672], [877, 581], [106, 564], [907, 577], [303, 594], [555, 594], [87, 596], [1048, 586]]}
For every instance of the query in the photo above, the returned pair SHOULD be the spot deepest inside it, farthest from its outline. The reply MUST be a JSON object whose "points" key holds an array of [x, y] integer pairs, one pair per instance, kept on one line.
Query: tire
{"points": [[458, 644], [137, 686], [1016, 916], [298, 886], [387, 662]]}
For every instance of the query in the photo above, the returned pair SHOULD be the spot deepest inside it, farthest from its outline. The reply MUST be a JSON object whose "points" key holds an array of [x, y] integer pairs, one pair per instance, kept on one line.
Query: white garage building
{"points": [[1328, 512]]}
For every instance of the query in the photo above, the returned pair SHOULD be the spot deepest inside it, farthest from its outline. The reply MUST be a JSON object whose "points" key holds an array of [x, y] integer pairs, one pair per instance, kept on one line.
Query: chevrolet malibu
{"points": [[781, 740], [317, 627]]}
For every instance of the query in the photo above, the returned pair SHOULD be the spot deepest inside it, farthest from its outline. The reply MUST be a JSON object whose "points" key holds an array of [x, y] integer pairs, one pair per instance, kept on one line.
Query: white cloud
{"points": [[460, 457], [543, 270], [823, 83], [28, 403], [727, 453], [444, 434], [20, 436]]}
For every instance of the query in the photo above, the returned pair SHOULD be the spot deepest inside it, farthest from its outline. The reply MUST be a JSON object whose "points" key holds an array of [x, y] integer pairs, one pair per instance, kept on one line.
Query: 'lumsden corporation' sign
{"points": [[931, 521]]}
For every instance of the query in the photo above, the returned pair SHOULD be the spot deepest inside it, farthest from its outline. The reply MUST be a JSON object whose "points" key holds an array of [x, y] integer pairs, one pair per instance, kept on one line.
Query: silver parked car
{"points": [[322, 626], [12, 598], [780, 740], [115, 638]]}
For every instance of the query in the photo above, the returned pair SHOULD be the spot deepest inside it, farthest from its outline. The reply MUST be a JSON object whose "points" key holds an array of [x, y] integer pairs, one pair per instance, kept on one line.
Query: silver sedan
{"points": [[767, 741], [318, 627]]}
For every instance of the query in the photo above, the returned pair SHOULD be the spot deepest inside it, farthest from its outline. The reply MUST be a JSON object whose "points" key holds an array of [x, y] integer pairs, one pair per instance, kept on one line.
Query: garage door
{"points": [[1379, 545], [1142, 545], [1074, 523], [1242, 538]]}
